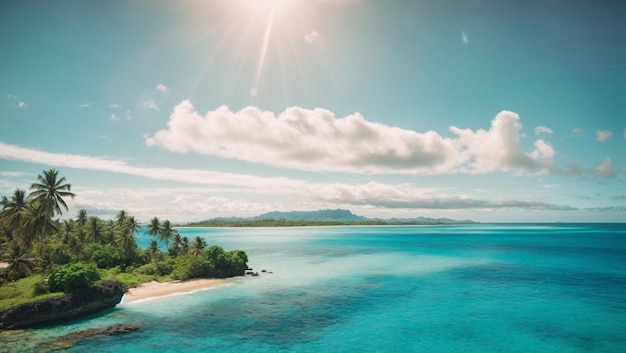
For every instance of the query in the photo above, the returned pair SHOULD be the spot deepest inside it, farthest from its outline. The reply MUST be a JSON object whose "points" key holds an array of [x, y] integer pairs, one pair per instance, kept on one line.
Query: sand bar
{"points": [[156, 289]]}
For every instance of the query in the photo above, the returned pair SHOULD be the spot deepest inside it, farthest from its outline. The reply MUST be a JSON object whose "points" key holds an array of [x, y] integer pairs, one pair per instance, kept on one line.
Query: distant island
{"points": [[327, 217]]}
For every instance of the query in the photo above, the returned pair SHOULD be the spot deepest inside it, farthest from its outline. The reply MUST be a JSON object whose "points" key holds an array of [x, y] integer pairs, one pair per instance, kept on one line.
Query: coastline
{"points": [[154, 289]]}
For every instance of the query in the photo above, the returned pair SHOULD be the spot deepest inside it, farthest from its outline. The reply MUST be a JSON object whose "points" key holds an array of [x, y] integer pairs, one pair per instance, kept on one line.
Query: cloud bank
{"points": [[316, 140], [251, 193]]}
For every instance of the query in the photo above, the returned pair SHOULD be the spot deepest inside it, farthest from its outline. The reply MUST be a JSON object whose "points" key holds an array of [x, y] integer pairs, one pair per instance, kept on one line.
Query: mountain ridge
{"points": [[332, 216]]}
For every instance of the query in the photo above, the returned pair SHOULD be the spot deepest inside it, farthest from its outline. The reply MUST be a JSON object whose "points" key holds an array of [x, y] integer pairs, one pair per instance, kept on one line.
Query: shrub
{"points": [[163, 268], [72, 278], [149, 269], [106, 258], [40, 288]]}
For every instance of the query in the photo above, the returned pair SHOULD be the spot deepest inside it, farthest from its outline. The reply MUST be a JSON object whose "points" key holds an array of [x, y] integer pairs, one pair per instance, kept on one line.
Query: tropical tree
{"points": [[19, 263], [177, 245], [81, 217], [94, 230], [14, 209], [47, 195], [126, 237], [197, 247], [167, 232], [153, 250], [154, 227], [120, 218]]}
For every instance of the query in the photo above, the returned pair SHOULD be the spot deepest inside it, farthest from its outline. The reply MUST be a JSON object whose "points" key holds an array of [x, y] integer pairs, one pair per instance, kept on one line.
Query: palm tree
{"points": [[154, 227], [177, 245], [19, 264], [14, 209], [81, 218], [48, 195], [167, 232], [197, 247], [153, 250], [94, 230], [120, 218], [126, 237]]}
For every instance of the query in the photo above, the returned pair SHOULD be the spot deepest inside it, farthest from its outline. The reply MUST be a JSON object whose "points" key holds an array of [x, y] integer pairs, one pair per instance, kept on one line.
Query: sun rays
{"points": [[264, 44]]}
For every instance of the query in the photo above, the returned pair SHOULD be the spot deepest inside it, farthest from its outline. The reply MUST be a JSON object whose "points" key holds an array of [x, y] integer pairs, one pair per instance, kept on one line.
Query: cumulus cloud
{"points": [[149, 104], [603, 135], [542, 130], [316, 140], [604, 169], [84, 105], [162, 88], [21, 105], [114, 106]]}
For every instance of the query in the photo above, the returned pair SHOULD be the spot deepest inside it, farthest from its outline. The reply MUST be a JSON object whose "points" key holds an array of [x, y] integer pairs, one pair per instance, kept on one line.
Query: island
{"points": [[319, 218], [55, 269]]}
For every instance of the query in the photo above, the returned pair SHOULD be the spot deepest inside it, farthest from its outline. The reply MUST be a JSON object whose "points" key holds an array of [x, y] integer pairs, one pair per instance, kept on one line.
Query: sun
{"points": [[267, 40]]}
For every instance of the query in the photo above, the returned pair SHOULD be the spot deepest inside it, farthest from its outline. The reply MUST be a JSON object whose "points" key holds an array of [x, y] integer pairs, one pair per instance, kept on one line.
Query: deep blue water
{"points": [[476, 288]]}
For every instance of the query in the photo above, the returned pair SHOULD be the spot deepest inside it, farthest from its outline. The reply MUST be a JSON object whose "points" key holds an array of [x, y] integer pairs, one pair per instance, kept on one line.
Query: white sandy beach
{"points": [[156, 289]]}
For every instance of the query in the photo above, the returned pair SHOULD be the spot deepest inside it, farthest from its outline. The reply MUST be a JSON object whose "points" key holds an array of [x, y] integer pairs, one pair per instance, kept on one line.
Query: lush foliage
{"points": [[72, 277], [74, 252]]}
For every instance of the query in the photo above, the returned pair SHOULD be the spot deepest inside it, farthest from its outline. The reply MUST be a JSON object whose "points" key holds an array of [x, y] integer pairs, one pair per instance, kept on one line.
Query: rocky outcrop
{"points": [[69, 340], [105, 295]]}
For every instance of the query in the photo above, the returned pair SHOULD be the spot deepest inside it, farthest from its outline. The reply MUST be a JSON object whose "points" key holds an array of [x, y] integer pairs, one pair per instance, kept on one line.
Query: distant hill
{"points": [[317, 218], [337, 215]]}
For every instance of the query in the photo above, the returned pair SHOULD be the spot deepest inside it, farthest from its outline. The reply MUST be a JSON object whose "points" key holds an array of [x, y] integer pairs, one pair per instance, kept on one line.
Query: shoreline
{"points": [[152, 290]]}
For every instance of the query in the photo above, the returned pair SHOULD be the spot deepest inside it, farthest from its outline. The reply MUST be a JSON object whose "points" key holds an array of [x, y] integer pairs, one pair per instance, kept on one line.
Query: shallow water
{"points": [[475, 288]]}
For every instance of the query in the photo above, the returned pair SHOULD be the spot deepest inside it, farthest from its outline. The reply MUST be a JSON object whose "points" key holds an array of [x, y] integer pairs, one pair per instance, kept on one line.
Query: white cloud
{"points": [[542, 130], [464, 38], [162, 88], [114, 117], [106, 164], [311, 36], [14, 174], [208, 193], [604, 169], [114, 106], [577, 131], [603, 135], [84, 105], [318, 141], [21, 105], [149, 104], [11, 97]]}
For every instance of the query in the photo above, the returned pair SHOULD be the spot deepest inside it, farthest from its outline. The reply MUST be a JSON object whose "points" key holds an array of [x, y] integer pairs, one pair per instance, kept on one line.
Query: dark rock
{"points": [[263, 270], [106, 294], [69, 340]]}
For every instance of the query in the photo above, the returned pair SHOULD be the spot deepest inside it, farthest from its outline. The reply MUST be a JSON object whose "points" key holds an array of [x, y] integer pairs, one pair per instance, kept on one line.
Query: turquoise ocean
{"points": [[466, 288]]}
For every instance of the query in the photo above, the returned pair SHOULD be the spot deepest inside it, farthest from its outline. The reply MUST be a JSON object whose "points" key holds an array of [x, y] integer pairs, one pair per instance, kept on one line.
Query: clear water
{"points": [[476, 288]]}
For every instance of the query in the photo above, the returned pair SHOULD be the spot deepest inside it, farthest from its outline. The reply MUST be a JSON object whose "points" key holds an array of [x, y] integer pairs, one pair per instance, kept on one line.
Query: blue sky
{"points": [[188, 110]]}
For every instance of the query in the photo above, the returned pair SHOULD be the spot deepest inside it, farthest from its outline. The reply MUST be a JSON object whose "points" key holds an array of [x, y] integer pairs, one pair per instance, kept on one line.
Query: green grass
{"points": [[19, 292], [130, 280]]}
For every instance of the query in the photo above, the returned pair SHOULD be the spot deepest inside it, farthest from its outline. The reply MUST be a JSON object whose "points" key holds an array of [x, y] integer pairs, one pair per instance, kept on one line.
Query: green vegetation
{"points": [[48, 256]]}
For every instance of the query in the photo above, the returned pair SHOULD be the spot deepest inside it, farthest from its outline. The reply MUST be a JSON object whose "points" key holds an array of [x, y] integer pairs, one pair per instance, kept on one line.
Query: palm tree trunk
{"points": [[42, 235]]}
